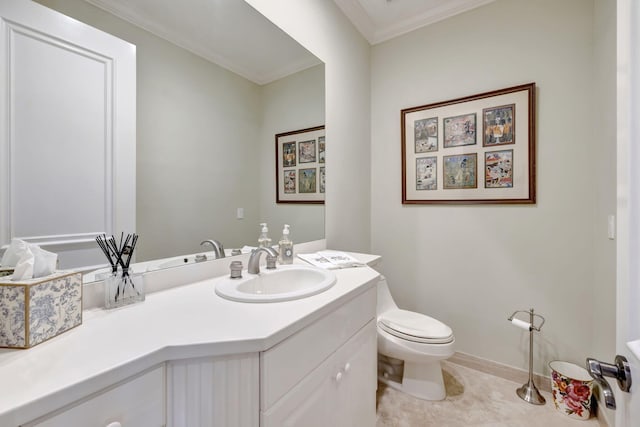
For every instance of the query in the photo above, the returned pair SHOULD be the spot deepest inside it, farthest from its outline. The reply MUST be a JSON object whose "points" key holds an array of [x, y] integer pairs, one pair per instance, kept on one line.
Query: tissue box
{"points": [[34, 310]]}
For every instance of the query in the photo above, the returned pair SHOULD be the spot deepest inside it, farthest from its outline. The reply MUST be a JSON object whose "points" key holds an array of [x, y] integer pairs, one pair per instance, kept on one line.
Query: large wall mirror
{"points": [[216, 81]]}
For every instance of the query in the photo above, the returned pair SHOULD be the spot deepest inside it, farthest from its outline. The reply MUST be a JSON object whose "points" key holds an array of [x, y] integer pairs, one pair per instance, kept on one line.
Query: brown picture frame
{"points": [[300, 166], [482, 124]]}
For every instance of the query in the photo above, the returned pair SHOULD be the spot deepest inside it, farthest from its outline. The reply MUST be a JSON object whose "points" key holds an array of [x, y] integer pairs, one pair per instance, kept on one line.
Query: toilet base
{"points": [[421, 380]]}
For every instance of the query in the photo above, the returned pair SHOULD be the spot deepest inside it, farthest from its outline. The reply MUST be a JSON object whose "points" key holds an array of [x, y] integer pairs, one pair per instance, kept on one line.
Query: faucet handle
{"points": [[271, 262], [236, 269], [254, 259]]}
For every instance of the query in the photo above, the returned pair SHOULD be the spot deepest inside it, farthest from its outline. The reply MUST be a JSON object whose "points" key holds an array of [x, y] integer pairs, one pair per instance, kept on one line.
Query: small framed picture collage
{"points": [[477, 149], [300, 166]]}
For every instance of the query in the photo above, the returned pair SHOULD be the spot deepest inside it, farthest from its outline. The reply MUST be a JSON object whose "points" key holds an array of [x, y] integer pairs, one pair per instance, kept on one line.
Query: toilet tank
{"points": [[385, 300]]}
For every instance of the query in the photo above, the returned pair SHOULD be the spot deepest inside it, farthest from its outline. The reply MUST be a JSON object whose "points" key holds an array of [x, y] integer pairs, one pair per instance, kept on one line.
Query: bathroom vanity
{"points": [[187, 357]]}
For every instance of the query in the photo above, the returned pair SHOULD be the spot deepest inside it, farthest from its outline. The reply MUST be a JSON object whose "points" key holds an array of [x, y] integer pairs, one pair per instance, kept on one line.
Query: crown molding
{"points": [[127, 14], [361, 19]]}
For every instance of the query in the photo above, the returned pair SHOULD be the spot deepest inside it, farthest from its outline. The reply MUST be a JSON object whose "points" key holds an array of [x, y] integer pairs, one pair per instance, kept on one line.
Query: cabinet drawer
{"points": [[285, 364], [136, 403]]}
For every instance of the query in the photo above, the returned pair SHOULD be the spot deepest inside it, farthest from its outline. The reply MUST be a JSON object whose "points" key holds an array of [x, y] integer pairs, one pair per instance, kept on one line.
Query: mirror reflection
{"points": [[215, 82]]}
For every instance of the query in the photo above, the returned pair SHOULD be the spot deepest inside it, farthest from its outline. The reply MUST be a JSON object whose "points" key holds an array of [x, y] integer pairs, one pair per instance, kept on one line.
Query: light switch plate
{"points": [[611, 229]]}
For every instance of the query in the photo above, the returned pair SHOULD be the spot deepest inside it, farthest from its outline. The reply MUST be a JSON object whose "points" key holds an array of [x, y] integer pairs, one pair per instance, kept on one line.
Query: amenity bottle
{"points": [[264, 240], [285, 247]]}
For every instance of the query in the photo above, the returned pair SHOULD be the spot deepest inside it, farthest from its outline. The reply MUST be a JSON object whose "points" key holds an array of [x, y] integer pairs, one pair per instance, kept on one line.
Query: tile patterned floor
{"points": [[473, 399]]}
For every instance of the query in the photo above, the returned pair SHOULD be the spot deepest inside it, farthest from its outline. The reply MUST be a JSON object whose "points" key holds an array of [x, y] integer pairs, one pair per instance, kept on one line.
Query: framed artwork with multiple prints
{"points": [[300, 166], [476, 149]]}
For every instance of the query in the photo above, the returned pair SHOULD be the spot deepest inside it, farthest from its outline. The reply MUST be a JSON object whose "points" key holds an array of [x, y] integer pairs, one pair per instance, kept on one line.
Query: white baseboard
{"points": [[500, 370]]}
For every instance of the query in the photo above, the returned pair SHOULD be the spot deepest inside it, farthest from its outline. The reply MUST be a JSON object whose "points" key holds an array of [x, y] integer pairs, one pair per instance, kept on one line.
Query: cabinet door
{"points": [[311, 403], [357, 390], [289, 362], [340, 392], [137, 403]]}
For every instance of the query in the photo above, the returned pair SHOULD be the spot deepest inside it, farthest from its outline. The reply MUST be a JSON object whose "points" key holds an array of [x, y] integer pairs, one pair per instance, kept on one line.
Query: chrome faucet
{"points": [[217, 247], [620, 371], [254, 259]]}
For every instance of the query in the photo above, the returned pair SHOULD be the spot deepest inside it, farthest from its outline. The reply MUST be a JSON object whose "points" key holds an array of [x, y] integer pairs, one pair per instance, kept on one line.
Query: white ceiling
{"points": [[381, 20], [233, 35], [229, 33]]}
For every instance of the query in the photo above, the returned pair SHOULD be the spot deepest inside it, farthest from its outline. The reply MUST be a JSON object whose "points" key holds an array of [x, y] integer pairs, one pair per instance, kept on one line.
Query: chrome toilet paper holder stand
{"points": [[529, 392]]}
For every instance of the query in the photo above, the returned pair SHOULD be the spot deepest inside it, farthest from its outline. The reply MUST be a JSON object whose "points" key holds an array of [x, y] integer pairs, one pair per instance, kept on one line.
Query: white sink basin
{"points": [[287, 282]]}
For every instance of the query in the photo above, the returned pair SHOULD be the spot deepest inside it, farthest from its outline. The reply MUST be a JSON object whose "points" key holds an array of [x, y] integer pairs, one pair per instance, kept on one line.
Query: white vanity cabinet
{"points": [[325, 375], [306, 363], [212, 391], [138, 402]]}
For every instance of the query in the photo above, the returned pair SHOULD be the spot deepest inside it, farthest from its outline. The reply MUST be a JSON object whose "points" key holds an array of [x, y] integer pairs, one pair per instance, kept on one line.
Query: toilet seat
{"points": [[415, 327]]}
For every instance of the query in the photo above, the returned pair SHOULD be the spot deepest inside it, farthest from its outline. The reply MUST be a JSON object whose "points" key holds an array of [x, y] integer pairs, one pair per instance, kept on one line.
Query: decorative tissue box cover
{"points": [[34, 310]]}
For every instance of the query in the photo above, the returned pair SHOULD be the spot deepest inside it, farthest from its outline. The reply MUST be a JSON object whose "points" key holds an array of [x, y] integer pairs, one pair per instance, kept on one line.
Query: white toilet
{"points": [[410, 348]]}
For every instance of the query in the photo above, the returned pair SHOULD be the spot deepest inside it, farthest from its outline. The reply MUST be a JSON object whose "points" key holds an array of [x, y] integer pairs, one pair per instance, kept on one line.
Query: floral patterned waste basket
{"points": [[571, 388]]}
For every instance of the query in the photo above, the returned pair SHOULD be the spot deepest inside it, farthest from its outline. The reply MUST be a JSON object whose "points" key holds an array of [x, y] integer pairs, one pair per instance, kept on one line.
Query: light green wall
{"points": [[320, 27], [292, 103], [472, 266]]}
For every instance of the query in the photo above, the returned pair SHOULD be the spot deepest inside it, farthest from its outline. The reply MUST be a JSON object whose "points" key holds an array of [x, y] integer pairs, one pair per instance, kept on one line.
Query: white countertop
{"points": [[183, 322]]}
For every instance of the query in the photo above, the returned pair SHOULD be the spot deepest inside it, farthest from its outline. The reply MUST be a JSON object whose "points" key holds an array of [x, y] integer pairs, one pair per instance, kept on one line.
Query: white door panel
{"points": [[67, 146], [629, 403], [627, 413], [60, 156]]}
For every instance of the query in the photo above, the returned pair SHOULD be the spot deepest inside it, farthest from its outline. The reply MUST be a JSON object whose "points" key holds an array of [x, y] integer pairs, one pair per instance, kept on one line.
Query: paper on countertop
{"points": [[28, 261], [331, 260]]}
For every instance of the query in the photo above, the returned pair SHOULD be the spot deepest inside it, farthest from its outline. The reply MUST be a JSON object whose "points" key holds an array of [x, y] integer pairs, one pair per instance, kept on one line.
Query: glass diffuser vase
{"points": [[123, 288]]}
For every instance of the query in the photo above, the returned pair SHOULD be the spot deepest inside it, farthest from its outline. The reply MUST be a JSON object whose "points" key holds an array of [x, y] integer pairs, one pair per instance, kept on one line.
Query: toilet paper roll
{"points": [[521, 324]]}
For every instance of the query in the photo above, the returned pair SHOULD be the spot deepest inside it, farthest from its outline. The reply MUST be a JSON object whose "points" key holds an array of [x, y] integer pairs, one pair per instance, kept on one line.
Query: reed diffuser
{"points": [[122, 287]]}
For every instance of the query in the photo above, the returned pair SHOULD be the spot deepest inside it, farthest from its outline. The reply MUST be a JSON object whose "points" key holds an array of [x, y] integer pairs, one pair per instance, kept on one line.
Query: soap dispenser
{"points": [[285, 252], [264, 240]]}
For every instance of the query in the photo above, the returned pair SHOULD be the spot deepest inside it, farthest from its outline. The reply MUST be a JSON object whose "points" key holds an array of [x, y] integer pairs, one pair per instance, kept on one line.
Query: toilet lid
{"points": [[415, 327]]}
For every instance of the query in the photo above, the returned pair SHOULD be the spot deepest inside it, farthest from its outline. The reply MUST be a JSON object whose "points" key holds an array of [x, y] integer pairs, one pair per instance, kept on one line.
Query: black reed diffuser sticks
{"points": [[104, 245]]}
